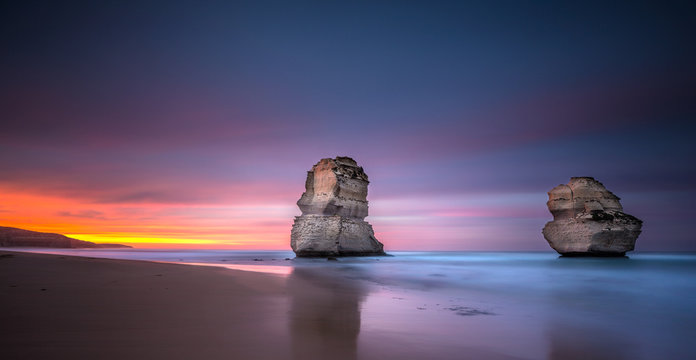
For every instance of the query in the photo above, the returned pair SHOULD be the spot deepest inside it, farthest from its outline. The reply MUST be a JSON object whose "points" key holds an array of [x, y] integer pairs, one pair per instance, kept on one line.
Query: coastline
{"points": [[67, 307], [410, 306]]}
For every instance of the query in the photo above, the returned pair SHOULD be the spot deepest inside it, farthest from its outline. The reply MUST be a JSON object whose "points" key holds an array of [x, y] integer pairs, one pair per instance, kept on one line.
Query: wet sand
{"points": [[64, 307], [67, 307]]}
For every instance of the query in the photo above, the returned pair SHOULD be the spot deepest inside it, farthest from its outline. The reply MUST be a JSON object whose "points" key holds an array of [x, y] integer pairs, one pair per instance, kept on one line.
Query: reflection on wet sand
{"points": [[325, 318], [581, 342]]}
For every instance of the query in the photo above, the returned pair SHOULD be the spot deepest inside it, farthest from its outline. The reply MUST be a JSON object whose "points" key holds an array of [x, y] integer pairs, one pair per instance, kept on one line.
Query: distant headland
{"points": [[14, 237]]}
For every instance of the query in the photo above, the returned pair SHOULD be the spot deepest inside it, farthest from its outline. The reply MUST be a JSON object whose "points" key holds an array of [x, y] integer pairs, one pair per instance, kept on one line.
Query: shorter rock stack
{"points": [[588, 220], [334, 206]]}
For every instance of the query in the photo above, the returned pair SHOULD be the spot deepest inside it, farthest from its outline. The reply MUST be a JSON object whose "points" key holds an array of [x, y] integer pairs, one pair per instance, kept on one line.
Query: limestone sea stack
{"points": [[334, 206], [588, 220]]}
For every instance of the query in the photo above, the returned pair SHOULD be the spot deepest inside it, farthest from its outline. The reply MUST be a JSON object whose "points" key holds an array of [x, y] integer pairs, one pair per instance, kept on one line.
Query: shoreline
{"points": [[68, 307], [415, 306], [58, 306]]}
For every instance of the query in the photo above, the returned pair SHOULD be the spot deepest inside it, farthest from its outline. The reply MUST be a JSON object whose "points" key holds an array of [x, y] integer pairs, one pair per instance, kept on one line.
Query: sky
{"points": [[193, 123]]}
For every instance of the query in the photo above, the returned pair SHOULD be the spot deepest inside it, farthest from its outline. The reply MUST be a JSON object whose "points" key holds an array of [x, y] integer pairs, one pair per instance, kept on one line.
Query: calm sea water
{"points": [[482, 305]]}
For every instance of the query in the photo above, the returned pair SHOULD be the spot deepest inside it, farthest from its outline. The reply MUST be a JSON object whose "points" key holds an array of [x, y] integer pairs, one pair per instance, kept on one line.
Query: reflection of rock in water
{"points": [[575, 342], [325, 314]]}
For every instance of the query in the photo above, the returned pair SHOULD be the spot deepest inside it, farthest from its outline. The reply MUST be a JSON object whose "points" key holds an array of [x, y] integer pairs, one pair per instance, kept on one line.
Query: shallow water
{"points": [[477, 305]]}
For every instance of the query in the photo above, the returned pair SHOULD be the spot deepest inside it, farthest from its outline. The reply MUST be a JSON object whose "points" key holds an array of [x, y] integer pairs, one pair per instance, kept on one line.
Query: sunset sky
{"points": [[192, 124]]}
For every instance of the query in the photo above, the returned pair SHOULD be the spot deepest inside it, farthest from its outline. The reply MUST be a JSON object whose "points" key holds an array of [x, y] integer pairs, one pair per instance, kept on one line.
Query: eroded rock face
{"points": [[334, 206], [589, 220]]}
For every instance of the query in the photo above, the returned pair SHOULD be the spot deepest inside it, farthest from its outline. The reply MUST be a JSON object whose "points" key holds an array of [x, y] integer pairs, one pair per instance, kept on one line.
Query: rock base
{"points": [[319, 236], [613, 234], [595, 254]]}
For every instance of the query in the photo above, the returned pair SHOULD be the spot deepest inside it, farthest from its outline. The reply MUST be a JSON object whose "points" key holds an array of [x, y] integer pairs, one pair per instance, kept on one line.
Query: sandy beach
{"points": [[69, 307], [409, 306], [75, 307]]}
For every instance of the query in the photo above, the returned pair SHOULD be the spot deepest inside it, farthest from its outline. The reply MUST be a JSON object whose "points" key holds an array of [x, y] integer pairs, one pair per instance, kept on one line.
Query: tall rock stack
{"points": [[588, 220], [334, 206]]}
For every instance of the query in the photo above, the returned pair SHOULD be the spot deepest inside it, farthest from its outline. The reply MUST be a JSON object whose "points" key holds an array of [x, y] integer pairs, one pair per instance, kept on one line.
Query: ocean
{"points": [[499, 305]]}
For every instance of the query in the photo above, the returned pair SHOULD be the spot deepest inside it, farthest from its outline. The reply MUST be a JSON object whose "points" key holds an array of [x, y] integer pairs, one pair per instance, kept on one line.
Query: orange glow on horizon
{"points": [[256, 226], [418, 223]]}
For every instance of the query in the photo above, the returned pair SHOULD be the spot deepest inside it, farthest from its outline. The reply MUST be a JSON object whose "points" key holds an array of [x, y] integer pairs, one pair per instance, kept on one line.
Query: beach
{"points": [[74, 307], [69, 307], [409, 306]]}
